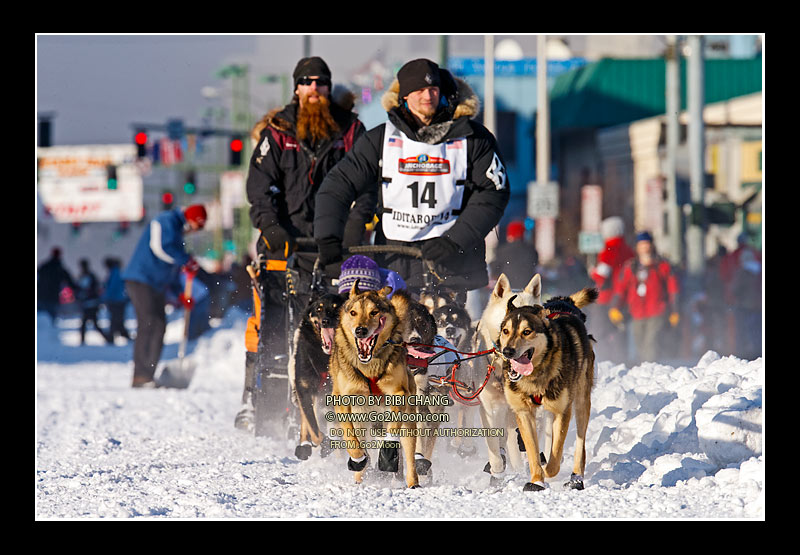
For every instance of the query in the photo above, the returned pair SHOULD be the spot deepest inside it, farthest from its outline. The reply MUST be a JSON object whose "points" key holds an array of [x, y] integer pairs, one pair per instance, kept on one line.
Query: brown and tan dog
{"points": [[369, 358], [548, 362]]}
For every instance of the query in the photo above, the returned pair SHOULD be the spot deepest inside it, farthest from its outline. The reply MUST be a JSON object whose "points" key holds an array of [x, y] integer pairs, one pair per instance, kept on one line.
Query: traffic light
{"points": [[141, 143], [111, 177], [190, 183], [167, 200], [236, 147]]}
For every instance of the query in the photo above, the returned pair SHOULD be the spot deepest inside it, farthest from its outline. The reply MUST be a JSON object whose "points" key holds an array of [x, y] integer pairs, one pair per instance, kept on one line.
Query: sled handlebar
{"points": [[414, 252]]}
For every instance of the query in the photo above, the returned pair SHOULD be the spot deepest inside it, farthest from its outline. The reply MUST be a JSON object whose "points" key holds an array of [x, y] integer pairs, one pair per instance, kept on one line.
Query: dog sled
{"points": [[275, 410], [274, 404]]}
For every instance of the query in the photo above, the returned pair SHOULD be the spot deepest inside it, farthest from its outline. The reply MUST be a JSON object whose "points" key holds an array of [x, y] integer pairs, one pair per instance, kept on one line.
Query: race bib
{"points": [[423, 186]]}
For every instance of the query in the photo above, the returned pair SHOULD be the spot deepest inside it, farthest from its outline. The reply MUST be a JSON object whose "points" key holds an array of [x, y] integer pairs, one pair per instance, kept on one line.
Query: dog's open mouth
{"points": [[367, 345], [420, 351], [521, 366], [326, 334]]}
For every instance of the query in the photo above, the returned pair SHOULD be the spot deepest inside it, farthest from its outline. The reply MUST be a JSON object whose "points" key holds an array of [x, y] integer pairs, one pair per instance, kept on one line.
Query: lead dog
{"points": [[494, 410], [548, 362], [369, 358]]}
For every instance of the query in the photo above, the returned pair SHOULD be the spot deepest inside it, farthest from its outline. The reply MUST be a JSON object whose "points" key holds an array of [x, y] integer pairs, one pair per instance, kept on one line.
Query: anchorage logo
{"points": [[423, 165]]}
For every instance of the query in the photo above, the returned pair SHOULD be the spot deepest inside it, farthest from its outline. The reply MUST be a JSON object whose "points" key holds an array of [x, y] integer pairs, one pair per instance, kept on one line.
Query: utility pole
{"points": [[673, 101], [306, 46], [545, 225], [488, 76], [542, 114], [444, 50], [696, 88], [241, 120]]}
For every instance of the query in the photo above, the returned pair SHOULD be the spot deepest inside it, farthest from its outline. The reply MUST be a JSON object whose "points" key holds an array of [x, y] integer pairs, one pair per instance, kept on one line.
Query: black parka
{"points": [[485, 197], [285, 173]]}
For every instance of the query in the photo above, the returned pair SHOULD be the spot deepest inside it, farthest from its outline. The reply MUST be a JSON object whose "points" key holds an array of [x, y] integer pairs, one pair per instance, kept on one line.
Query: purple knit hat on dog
{"points": [[362, 268]]}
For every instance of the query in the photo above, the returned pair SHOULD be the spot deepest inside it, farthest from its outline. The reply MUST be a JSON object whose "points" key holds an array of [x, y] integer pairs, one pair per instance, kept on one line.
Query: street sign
{"points": [[73, 183], [590, 242], [591, 207], [542, 200]]}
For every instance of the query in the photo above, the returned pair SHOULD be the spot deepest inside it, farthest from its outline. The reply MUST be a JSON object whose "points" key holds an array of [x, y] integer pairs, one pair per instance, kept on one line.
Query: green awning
{"points": [[612, 92]]}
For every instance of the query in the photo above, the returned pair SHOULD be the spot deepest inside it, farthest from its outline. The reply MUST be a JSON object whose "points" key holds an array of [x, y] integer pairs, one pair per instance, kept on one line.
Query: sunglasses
{"points": [[320, 81]]}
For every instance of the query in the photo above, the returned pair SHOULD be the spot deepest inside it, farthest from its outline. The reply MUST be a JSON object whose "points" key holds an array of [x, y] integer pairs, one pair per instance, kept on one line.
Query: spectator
{"points": [[747, 294], [369, 274], [729, 266], [153, 268], [611, 344], [51, 278], [115, 300], [515, 258], [648, 290], [88, 297], [715, 316]]}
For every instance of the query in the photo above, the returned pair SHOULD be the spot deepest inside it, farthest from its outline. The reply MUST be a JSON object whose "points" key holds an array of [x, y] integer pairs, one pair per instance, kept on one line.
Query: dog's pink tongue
{"points": [[417, 353], [327, 338], [522, 365]]}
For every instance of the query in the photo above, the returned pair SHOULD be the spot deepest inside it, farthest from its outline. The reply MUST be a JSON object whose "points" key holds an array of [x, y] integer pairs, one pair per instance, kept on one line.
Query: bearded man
{"points": [[296, 147]]}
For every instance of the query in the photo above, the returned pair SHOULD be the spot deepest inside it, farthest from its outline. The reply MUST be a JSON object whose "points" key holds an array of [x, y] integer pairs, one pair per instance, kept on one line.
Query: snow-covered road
{"points": [[663, 442]]}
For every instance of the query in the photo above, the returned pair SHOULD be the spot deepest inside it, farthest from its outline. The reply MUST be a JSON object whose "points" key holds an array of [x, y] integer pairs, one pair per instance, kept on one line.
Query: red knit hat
{"points": [[515, 231], [196, 213]]}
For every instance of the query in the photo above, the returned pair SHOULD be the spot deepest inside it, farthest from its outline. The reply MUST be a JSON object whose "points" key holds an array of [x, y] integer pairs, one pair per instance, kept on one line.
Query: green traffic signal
{"points": [[111, 177], [189, 186]]}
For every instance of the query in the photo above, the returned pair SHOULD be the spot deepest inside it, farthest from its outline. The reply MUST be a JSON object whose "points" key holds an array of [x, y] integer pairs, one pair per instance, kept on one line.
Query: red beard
{"points": [[314, 120]]}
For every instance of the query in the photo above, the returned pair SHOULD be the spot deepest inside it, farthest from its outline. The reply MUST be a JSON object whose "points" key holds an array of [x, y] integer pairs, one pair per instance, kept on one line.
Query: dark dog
{"points": [[424, 360], [571, 305], [454, 324], [308, 368]]}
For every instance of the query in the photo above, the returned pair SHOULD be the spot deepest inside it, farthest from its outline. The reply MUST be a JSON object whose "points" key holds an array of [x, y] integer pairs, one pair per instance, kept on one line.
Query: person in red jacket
{"points": [[648, 289], [611, 343]]}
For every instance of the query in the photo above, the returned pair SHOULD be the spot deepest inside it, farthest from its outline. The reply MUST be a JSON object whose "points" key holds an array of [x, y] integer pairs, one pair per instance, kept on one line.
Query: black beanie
{"points": [[311, 66], [417, 74]]}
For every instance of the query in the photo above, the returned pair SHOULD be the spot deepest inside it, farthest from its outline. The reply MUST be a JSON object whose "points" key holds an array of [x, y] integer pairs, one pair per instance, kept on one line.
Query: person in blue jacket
{"points": [[153, 267], [115, 299]]}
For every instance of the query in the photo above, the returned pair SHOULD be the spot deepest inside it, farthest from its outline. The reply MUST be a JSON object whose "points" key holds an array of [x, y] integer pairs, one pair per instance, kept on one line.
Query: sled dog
{"points": [[369, 359], [494, 410], [425, 360], [548, 362], [454, 323], [308, 370]]}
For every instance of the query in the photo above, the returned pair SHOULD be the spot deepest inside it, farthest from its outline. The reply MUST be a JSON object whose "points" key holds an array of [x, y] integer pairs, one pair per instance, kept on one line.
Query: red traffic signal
{"points": [[166, 200], [236, 146], [141, 144]]}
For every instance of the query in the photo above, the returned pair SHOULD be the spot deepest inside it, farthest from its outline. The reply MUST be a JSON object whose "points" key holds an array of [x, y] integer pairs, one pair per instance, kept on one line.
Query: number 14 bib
{"points": [[423, 186]]}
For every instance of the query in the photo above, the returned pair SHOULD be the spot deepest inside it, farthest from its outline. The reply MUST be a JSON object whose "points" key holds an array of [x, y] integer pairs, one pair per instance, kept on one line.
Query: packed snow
{"points": [[664, 442]]}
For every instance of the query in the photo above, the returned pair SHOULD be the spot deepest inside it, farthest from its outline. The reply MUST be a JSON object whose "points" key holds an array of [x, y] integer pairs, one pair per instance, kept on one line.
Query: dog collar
{"points": [[553, 314]]}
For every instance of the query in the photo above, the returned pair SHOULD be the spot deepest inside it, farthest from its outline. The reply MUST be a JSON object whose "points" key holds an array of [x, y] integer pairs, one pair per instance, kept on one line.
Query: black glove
{"points": [[439, 248], [276, 238], [330, 251]]}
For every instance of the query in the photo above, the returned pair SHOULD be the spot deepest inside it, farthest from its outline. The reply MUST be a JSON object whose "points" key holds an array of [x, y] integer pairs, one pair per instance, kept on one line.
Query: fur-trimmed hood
{"points": [[469, 105], [341, 96]]}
